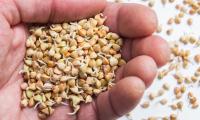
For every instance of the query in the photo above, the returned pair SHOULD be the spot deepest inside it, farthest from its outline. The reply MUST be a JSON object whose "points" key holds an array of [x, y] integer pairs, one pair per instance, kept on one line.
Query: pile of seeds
{"points": [[70, 61]]}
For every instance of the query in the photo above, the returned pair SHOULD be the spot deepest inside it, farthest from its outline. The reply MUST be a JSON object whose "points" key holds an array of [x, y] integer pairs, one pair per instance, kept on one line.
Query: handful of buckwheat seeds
{"points": [[70, 61]]}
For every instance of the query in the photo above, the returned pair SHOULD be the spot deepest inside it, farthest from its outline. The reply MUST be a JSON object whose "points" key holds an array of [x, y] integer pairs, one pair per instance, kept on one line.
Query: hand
{"points": [[135, 23]]}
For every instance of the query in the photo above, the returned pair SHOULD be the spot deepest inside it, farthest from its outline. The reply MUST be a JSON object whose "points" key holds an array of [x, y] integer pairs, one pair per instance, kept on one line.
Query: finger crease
{"points": [[18, 9], [52, 12], [112, 106], [94, 107]]}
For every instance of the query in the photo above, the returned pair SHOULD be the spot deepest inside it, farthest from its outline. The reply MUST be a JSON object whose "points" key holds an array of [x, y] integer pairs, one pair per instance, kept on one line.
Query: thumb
{"points": [[121, 99]]}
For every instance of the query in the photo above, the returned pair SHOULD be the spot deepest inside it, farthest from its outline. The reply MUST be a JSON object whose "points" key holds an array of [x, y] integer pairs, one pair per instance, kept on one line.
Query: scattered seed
{"points": [[163, 101]]}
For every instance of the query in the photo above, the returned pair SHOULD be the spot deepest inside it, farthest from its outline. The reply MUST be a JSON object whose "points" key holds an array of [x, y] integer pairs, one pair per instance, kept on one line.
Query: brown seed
{"points": [[195, 105], [189, 21], [56, 89], [31, 102], [161, 92], [45, 111], [42, 116], [169, 32], [174, 106], [151, 3], [82, 32], [163, 101], [177, 20], [166, 86], [152, 118], [173, 117], [145, 104], [181, 14], [164, 2], [197, 58], [152, 96], [180, 105]]}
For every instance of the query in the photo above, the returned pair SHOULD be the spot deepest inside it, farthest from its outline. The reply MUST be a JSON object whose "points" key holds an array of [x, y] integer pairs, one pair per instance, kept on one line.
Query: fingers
{"points": [[61, 113], [29, 114], [143, 67], [110, 105], [9, 52], [131, 20], [87, 112], [57, 10], [153, 46]]}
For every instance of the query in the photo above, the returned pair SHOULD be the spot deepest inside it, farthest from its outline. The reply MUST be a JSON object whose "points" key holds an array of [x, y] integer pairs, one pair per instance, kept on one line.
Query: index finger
{"points": [[130, 20], [43, 11]]}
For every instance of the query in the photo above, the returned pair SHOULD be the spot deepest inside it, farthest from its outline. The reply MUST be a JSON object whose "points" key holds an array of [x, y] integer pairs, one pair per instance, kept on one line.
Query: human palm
{"points": [[135, 23]]}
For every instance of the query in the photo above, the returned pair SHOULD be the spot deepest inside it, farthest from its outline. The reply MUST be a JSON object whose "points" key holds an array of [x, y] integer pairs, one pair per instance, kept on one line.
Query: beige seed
{"points": [[99, 62], [57, 56], [174, 106], [190, 21], [82, 32], [121, 62], [56, 89], [151, 3], [165, 118], [180, 105], [152, 96], [170, 21], [113, 61], [102, 41], [61, 65], [178, 96], [58, 100], [159, 29], [163, 101], [152, 118], [45, 111], [116, 47], [161, 92], [164, 2], [181, 14], [24, 103], [30, 52], [177, 20], [56, 27], [38, 32], [24, 86], [171, 1], [166, 86], [93, 55], [145, 104], [32, 86]]}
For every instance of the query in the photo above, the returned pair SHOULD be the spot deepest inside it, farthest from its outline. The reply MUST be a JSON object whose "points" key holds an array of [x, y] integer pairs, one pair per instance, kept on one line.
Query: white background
{"points": [[155, 109]]}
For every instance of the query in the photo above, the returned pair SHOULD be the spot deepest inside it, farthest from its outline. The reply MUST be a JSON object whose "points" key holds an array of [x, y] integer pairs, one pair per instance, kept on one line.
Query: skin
{"points": [[143, 51]]}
